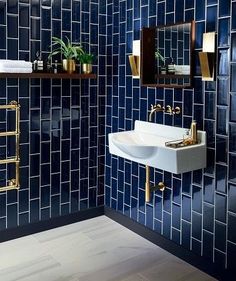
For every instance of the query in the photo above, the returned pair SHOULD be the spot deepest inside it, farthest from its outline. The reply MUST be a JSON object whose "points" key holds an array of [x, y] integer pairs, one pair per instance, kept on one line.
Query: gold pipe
{"points": [[148, 188], [147, 184]]}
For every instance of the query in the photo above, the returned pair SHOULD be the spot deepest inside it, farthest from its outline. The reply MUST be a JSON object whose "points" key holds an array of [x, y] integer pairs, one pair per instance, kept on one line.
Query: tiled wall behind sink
{"points": [[198, 209], [62, 121]]}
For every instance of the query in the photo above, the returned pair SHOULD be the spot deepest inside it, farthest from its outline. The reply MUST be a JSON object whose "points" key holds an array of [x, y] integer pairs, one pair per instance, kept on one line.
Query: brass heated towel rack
{"points": [[15, 182]]}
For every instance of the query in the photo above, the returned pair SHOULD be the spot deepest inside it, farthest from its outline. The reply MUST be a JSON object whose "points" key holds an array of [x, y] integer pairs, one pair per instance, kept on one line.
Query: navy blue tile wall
{"points": [[62, 121], [197, 210]]}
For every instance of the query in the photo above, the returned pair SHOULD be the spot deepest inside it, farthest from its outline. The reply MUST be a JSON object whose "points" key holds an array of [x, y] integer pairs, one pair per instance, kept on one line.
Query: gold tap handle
{"points": [[177, 110]]}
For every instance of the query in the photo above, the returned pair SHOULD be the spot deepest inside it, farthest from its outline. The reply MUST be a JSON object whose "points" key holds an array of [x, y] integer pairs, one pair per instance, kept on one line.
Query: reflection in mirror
{"points": [[172, 47]]}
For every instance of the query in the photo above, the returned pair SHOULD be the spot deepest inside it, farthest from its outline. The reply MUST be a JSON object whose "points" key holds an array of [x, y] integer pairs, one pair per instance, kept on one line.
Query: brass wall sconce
{"points": [[15, 182], [134, 59], [207, 56]]}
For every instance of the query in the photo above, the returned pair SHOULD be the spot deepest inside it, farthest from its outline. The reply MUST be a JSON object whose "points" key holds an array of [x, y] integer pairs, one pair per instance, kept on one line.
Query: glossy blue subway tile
{"points": [[232, 228], [12, 6], [208, 217], [3, 13], [186, 208], [233, 74], [223, 91], [56, 9], [221, 178], [186, 183], [158, 208], [197, 226], [233, 17], [208, 192], [223, 62], [46, 17], [196, 247], [149, 216], [12, 23], [222, 120], [176, 191], [209, 127], [207, 244], [210, 105], [74, 177], [220, 207], [200, 10], [220, 236], [211, 18], [186, 234], [232, 167], [12, 216], [167, 200], [176, 216], [66, 20], [23, 219], [221, 150], [24, 39], [197, 199], [35, 8], [34, 211], [231, 255], [232, 197], [24, 16], [223, 32]]}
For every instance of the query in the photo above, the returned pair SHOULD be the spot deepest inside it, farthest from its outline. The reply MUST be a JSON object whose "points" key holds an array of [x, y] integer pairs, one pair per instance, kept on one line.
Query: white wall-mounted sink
{"points": [[146, 145]]}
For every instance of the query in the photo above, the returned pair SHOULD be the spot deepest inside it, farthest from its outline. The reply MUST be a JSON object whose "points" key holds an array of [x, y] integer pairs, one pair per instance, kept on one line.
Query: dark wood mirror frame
{"points": [[148, 60]]}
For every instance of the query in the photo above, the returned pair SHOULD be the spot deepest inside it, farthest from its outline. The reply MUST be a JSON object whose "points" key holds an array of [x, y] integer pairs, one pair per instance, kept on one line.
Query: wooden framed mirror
{"points": [[167, 55]]}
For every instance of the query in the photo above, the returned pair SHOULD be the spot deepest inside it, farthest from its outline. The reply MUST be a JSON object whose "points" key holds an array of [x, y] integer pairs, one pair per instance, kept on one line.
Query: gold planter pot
{"points": [[87, 68], [68, 65]]}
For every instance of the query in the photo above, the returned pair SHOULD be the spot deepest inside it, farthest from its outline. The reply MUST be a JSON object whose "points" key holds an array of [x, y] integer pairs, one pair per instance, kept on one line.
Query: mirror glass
{"points": [[173, 54], [167, 55]]}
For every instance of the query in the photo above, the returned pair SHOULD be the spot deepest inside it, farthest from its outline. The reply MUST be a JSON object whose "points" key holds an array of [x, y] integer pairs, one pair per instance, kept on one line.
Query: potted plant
{"points": [[69, 51], [86, 60], [159, 56]]}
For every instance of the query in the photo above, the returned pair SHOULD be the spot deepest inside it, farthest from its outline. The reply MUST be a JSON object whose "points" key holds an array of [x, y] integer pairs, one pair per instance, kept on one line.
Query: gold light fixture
{"points": [[207, 56], [134, 59]]}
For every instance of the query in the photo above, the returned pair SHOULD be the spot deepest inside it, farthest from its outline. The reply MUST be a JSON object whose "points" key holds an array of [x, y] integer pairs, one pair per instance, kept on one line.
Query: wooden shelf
{"points": [[187, 86], [173, 76], [48, 75]]}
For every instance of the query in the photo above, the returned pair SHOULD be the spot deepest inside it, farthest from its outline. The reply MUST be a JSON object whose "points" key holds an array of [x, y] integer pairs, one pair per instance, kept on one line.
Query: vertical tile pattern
{"points": [[197, 210], [62, 121]]}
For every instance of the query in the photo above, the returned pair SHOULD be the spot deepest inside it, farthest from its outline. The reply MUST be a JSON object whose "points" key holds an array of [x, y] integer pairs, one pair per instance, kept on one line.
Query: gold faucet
{"points": [[168, 109], [155, 108]]}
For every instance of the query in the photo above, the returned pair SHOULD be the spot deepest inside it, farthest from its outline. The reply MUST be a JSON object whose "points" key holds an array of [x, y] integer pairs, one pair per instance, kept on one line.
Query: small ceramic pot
{"points": [[68, 65], [87, 68]]}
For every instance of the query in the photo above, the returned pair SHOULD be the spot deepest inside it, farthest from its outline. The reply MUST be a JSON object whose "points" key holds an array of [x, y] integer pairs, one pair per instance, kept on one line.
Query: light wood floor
{"points": [[98, 249]]}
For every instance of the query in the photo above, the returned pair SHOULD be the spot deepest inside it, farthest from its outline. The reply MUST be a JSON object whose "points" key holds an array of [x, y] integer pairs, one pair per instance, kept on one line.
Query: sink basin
{"points": [[146, 145]]}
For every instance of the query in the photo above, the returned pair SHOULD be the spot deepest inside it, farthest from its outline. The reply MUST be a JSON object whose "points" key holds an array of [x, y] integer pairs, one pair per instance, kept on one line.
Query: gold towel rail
{"points": [[8, 134], [13, 183], [8, 161]]}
